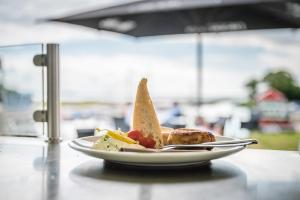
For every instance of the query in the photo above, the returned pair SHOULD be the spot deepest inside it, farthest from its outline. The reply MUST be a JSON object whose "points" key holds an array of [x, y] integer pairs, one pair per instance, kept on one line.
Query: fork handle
{"points": [[181, 146], [253, 141]]}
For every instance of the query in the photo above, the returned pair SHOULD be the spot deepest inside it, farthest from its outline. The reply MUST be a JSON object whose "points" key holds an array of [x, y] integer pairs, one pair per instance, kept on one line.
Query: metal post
{"points": [[53, 96], [199, 73]]}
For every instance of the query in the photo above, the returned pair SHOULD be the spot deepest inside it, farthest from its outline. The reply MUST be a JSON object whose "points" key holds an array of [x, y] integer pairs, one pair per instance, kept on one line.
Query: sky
{"points": [[103, 66]]}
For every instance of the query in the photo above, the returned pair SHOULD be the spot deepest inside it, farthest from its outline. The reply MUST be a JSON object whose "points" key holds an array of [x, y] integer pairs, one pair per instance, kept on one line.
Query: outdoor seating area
{"points": [[139, 99]]}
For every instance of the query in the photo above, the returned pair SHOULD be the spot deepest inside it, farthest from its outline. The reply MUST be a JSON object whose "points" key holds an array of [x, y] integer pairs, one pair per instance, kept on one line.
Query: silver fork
{"points": [[230, 143], [189, 147]]}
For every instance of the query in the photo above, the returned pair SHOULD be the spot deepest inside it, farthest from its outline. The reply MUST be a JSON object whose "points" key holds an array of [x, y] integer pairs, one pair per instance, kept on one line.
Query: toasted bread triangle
{"points": [[144, 115]]}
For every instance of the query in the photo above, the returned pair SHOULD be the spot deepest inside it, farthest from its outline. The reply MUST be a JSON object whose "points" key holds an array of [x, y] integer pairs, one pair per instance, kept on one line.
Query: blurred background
{"points": [[250, 85]]}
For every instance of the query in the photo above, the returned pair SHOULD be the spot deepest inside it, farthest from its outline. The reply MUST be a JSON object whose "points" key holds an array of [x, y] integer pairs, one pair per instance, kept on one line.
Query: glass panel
{"points": [[20, 90]]}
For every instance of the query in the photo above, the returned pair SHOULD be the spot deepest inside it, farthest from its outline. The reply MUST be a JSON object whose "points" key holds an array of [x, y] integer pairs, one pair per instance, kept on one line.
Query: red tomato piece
{"points": [[135, 135], [150, 143], [144, 141]]}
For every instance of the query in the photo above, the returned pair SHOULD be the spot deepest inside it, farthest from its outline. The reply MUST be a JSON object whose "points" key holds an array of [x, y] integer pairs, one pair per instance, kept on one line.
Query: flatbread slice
{"points": [[144, 115]]}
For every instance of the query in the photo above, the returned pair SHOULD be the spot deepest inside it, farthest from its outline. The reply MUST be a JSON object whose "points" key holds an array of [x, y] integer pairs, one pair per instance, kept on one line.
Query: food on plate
{"points": [[166, 131], [190, 136], [114, 140], [118, 135], [146, 131], [147, 142], [144, 116]]}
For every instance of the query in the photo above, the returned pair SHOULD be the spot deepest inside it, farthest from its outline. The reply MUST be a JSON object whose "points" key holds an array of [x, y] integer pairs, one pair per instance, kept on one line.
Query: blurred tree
{"points": [[252, 87], [285, 83]]}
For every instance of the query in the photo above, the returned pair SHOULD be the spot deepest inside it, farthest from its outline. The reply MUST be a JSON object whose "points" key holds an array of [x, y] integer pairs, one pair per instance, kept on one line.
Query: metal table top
{"points": [[31, 169]]}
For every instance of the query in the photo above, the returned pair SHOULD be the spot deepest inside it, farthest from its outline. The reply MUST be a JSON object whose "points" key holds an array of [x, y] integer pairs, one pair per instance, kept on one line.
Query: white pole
{"points": [[199, 87]]}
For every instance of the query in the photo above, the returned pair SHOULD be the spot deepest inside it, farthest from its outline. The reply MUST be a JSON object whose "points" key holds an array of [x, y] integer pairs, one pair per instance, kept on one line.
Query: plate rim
{"points": [[218, 153]]}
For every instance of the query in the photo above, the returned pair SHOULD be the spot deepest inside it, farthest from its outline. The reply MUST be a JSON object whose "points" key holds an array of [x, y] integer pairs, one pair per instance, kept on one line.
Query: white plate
{"points": [[163, 159]]}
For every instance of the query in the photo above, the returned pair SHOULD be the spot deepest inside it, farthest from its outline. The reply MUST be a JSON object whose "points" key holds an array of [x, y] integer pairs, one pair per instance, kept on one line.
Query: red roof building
{"points": [[273, 109], [271, 95]]}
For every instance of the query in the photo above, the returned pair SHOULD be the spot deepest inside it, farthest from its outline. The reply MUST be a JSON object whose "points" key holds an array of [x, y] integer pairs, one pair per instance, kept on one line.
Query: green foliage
{"points": [[281, 80], [285, 83], [252, 85], [249, 104]]}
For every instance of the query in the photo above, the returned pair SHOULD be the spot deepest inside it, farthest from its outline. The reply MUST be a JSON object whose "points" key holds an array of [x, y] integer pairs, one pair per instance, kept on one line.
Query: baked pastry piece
{"points": [[166, 131], [190, 136], [144, 115]]}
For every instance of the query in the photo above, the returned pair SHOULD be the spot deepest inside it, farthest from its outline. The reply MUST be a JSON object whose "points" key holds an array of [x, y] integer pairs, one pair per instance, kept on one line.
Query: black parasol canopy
{"points": [[164, 17]]}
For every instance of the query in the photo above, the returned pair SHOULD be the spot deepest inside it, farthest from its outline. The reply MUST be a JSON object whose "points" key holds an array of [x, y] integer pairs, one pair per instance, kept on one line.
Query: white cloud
{"points": [[289, 62], [279, 49], [116, 77], [266, 39], [20, 21], [20, 10], [51, 32]]}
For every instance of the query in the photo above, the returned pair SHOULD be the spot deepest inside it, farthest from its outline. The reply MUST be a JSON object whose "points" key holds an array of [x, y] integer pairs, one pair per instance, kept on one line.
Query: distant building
{"points": [[272, 107]]}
